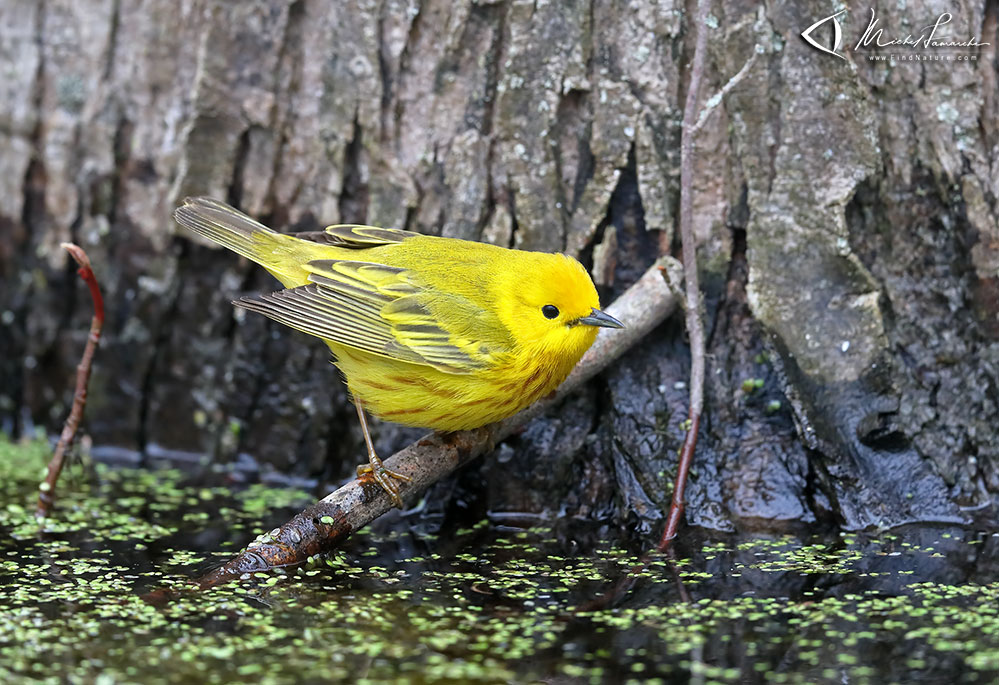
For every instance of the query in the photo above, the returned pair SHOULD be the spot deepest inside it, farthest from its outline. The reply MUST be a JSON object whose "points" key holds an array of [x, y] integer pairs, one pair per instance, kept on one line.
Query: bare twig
{"points": [[325, 524], [695, 327], [46, 491], [711, 104]]}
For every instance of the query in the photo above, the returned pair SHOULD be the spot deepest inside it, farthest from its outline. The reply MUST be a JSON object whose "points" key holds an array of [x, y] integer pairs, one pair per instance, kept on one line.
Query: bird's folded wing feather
{"points": [[387, 311], [355, 236]]}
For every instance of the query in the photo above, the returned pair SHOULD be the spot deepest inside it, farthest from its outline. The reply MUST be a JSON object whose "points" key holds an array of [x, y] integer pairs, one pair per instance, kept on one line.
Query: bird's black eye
{"points": [[550, 311]]}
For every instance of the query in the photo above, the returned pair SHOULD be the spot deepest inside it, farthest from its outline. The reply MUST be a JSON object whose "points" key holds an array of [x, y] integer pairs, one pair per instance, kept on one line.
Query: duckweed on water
{"points": [[482, 603]]}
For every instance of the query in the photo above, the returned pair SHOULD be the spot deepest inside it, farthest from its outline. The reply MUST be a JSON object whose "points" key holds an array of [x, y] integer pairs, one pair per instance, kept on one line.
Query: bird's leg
{"points": [[382, 476]]}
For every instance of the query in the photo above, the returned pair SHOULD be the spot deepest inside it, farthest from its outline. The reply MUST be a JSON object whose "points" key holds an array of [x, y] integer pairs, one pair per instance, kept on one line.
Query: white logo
{"points": [[927, 38], [930, 44], [837, 35]]}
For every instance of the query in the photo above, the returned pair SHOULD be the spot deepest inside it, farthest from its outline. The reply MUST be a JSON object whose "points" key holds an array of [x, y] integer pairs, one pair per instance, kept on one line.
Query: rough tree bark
{"points": [[847, 212]]}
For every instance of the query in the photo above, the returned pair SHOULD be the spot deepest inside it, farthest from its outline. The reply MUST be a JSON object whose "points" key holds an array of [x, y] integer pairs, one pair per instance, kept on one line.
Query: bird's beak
{"points": [[598, 318]]}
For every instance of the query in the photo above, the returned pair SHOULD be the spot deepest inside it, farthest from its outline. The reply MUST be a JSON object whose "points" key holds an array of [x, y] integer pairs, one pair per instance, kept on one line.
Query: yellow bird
{"points": [[432, 332]]}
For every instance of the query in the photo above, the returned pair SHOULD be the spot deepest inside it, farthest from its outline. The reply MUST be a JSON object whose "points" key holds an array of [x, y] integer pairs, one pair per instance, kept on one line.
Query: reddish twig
{"points": [[692, 298], [46, 491], [325, 524]]}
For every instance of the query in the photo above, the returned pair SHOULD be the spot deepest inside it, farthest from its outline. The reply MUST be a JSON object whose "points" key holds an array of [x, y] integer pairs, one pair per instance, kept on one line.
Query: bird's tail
{"points": [[232, 229]]}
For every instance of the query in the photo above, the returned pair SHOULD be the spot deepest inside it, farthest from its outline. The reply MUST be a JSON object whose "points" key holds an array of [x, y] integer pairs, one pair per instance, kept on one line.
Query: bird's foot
{"points": [[385, 477]]}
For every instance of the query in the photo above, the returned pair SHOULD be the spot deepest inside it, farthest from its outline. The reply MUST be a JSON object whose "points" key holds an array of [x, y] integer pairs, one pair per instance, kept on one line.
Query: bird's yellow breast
{"points": [[424, 397]]}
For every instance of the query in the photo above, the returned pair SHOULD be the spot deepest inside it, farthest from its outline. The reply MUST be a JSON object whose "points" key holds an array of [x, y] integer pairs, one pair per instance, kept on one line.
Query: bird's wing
{"points": [[355, 236], [387, 311]]}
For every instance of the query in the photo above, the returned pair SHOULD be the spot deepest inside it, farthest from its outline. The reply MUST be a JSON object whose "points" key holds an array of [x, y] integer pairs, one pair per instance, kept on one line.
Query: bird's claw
{"points": [[385, 478]]}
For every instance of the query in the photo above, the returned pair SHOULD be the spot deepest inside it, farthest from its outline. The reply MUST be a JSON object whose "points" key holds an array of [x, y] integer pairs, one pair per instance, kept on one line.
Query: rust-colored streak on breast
{"points": [[528, 384], [376, 385], [481, 400], [445, 418], [510, 388], [435, 389], [402, 412], [533, 377], [540, 382]]}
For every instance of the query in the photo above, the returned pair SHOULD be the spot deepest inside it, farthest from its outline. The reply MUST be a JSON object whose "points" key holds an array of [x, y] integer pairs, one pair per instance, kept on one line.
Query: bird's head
{"points": [[553, 308]]}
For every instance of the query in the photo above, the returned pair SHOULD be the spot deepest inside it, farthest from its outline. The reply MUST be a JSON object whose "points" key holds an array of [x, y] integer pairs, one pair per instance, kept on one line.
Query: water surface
{"points": [[82, 596]]}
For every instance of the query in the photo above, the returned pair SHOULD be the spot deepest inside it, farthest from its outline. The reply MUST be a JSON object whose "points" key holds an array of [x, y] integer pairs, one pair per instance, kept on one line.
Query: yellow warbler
{"points": [[432, 332]]}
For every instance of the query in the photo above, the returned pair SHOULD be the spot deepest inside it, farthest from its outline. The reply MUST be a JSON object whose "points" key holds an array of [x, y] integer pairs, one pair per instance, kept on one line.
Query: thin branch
{"points": [[46, 490], [695, 327], [325, 524], [712, 103]]}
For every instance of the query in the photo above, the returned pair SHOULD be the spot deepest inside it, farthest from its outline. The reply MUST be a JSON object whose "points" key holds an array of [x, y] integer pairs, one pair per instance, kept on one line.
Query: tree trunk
{"points": [[846, 208]]}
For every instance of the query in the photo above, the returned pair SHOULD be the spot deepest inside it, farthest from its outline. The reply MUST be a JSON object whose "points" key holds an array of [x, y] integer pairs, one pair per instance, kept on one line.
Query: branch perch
{"points": [[46, 490], [325, 524]]}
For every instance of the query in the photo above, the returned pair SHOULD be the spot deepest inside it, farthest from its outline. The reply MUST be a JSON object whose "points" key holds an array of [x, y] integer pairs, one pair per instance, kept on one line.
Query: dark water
{"points": [[493, 602]]}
